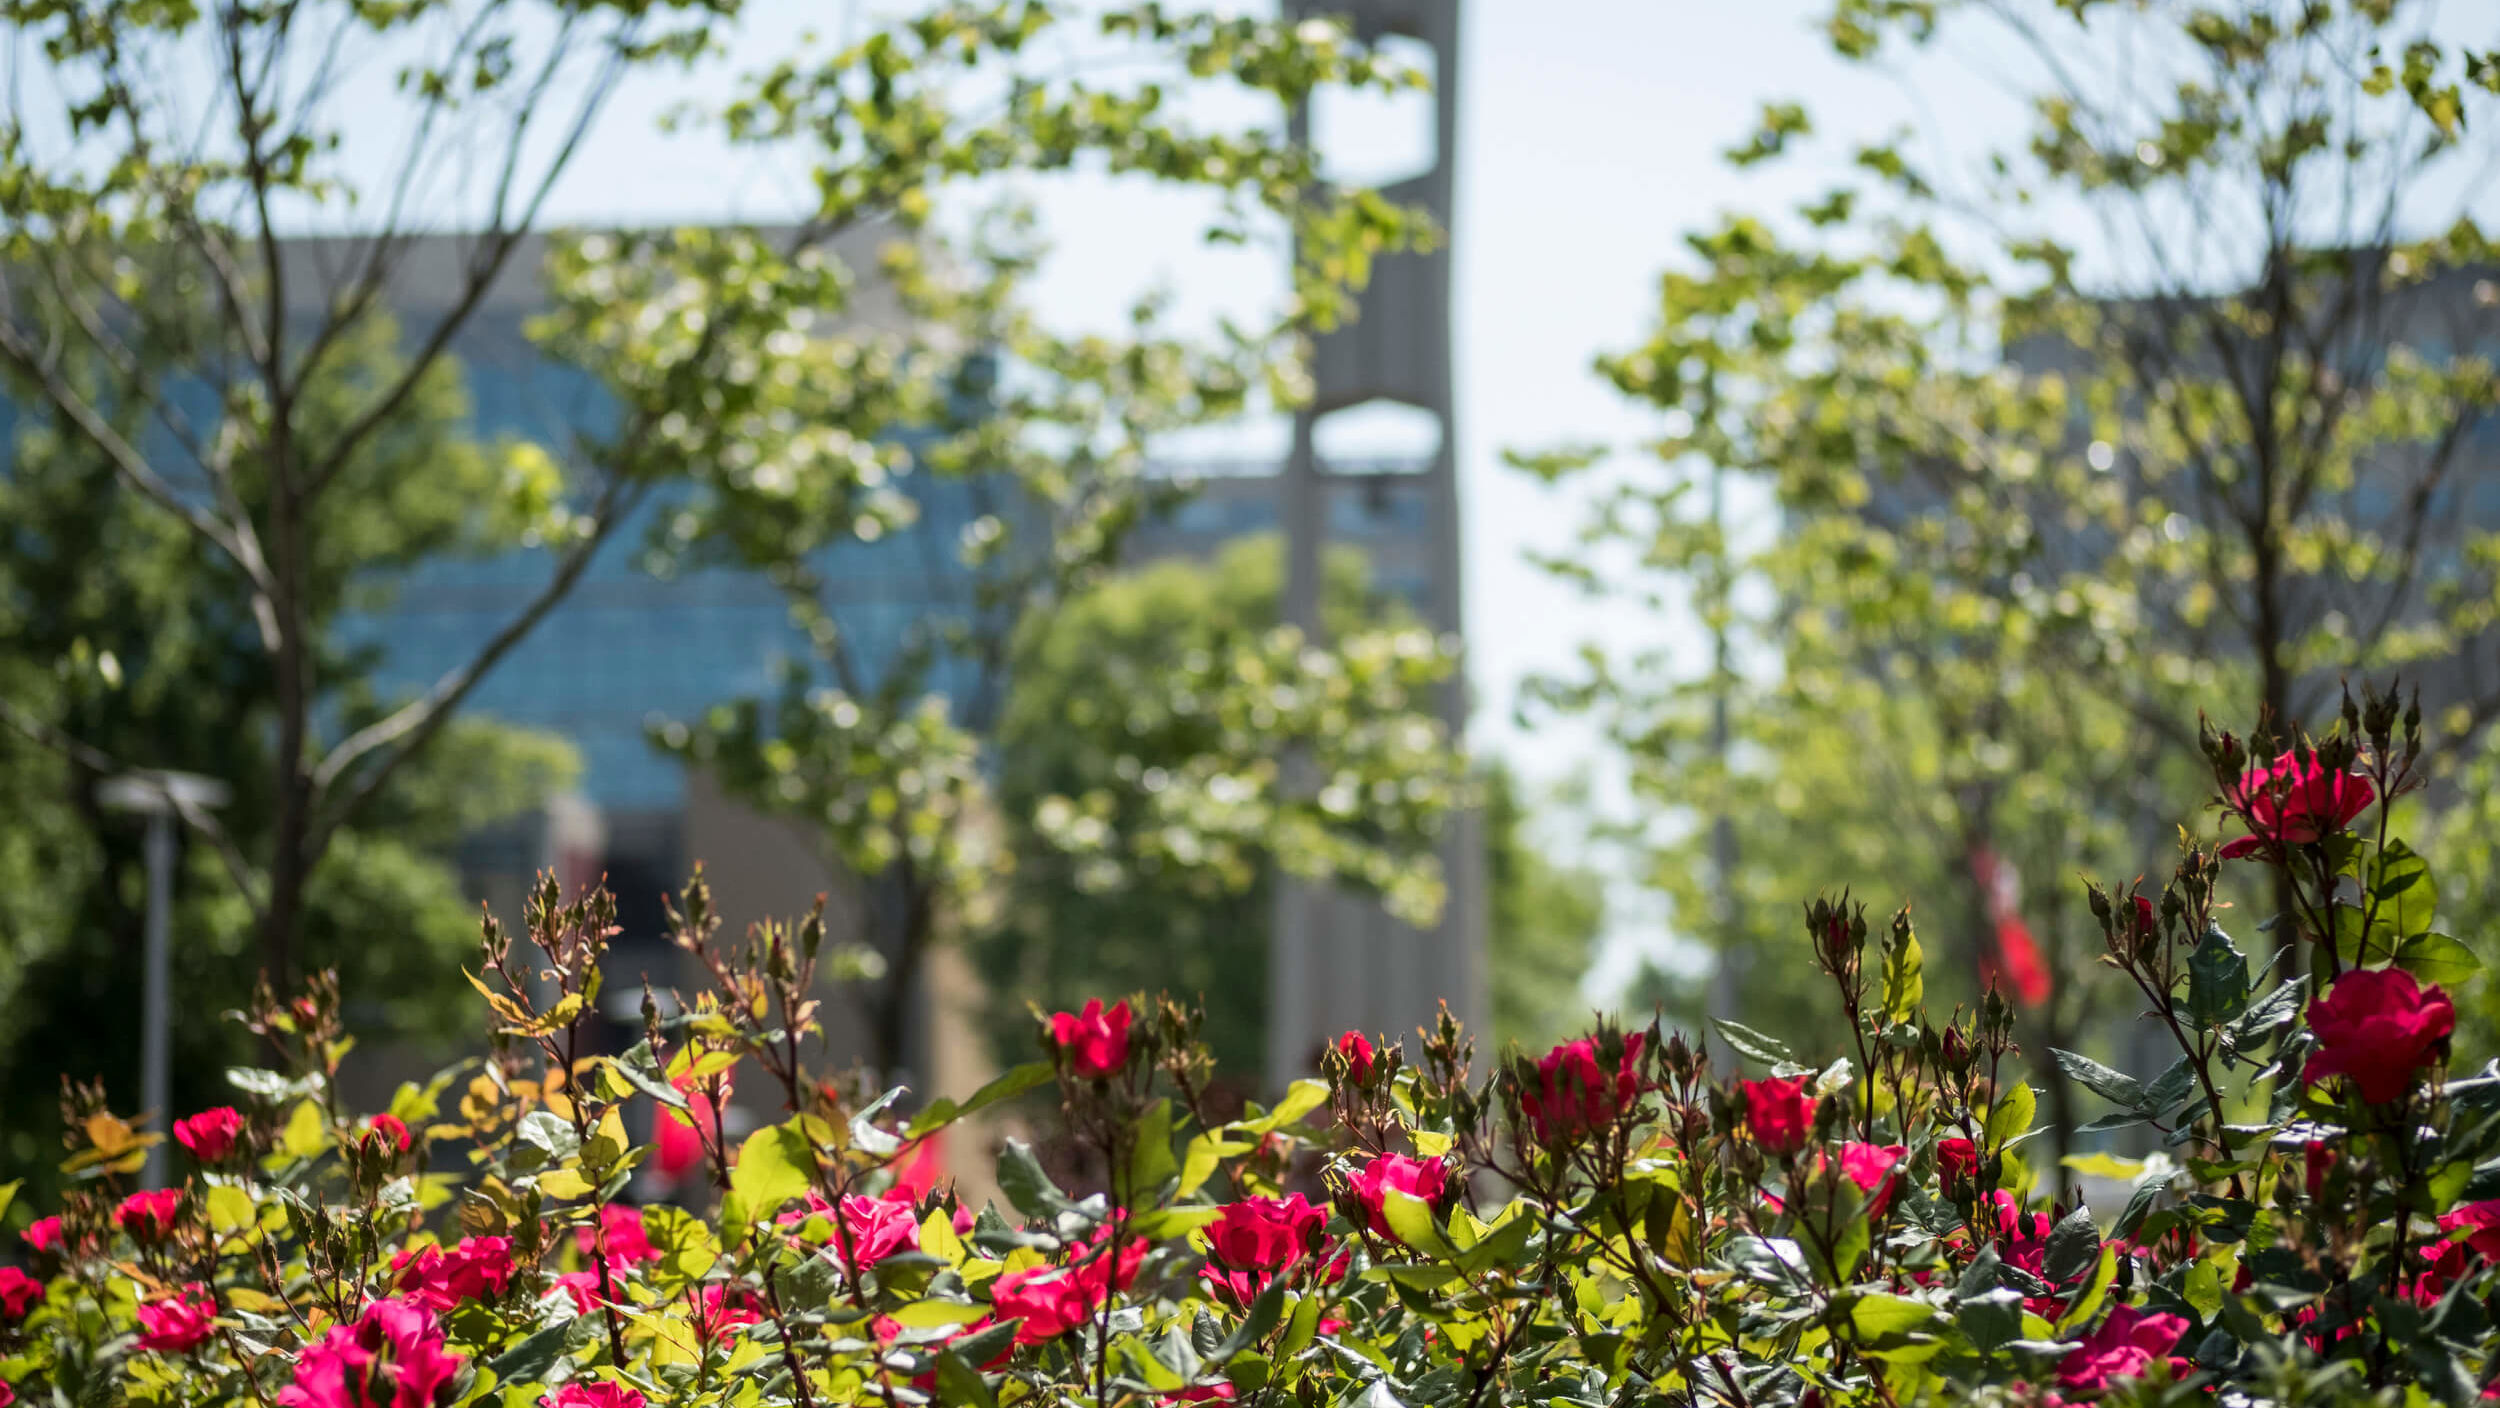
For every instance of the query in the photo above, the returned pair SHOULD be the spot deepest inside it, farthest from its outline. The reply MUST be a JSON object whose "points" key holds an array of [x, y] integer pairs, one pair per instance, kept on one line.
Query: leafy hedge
{"points": [[1614, 1224]]}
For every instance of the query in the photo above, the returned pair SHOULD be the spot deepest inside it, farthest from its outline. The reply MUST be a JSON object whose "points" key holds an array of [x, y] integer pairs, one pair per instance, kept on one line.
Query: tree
{"points": [[123, 180], [153, 658], [2172, 401], [1545, 922], [1132, 871]]}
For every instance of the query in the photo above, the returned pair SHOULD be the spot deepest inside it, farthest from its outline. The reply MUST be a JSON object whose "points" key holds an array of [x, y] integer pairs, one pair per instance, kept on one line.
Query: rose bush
{"points": [[1617, 1223]]}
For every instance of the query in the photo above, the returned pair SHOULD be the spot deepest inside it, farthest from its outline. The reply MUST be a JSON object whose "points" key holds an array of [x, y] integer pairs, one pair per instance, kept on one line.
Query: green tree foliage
{"points": [[1051, 434], [1544, 920], [156, 314], [120, 646], [1134, 869], [2186, 413]]}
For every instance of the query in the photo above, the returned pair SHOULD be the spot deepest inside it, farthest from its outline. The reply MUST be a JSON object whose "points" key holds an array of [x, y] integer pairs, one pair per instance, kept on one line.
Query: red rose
{"points": [[2480, 1222], [1096, 1041], [594, 1395], [44, 1235], [18, 1292], [210, 1134], [1357, 1051], [2318, 1159], [1870, 1166], [1046, 1301], [392, 1357], [478, 1269], [1957, 1159], [180, 1323], [390, 1129], [1374, 1181], [2378, 1026], [1779, 1113], [2293, 803], [149, 1217], [2126, 1344], [1257, 1239], [1574, 1096]]}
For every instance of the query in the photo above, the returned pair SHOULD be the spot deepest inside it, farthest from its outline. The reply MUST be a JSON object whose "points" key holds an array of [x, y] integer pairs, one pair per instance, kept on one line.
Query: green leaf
{"points": [[774, 1165], [529, 1361], [2406, 896], [8, 1195], [1264, 1313], [2115, 1086], [1302, 1328], [2437, 958], [940, 1113], [959, 1385], [1207, 1153], [1905, 985], [1501, 1246], [1150, 1159], [687, 1250], [2217, 979], [1028, 1189], [1410, 1218], [927, 1314], [1155, 1224], [1301, 1098], [1751, 1044], [2087, 1301], [1876, 1317], [229, 1208], [641, 1070], [2011, 1115]]}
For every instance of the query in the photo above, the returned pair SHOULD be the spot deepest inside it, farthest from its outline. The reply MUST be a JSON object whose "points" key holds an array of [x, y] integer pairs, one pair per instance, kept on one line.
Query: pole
{"points": [[1727, 977], [156, 1038]]}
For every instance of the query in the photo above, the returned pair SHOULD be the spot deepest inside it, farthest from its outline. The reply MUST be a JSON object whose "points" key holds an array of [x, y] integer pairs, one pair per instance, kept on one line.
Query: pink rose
{"points": [[392, 1357], [44, 1235], [1779, 1114], [18, 1292], [2127, 1343], [149, 1217], [1574, 1096], [621, 1228], [179, 1323], [478, 1269], [878, 1227], [2378, 1026], [210, 1134], [2294, 803], [1096, 1041], [578, 1394], [1870, 1166], [723, 1308], [1387, 1173], [1048, 1301], [2480, 1222]]}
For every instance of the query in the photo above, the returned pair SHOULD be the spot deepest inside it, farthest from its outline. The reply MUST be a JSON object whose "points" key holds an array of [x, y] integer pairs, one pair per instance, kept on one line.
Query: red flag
{"points": [[2012, 960]]}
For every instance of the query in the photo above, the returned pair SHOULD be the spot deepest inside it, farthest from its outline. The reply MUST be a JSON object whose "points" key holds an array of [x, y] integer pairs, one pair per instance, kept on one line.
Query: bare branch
{"points": [[410, 726]]}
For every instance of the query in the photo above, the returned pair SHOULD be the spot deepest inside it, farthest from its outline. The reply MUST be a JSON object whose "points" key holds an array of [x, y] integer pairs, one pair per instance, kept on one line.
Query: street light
{"points": [[161, 797]]}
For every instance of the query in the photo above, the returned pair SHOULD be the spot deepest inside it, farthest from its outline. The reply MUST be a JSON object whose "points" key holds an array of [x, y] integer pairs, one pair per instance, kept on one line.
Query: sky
{"points": [[1590, 141]]}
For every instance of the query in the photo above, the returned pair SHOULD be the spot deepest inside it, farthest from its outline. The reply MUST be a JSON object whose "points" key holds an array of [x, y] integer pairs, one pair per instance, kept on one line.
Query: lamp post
{"points": [[161, 797]]}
